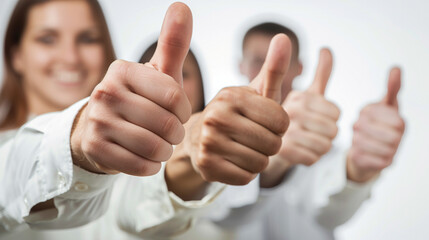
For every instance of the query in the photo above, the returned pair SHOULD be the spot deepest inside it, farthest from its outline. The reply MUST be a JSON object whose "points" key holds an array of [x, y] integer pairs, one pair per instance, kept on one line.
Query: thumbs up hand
{"points": [[377, 134], [312, 125], [136, 112], [230, 141], [313, 119]]}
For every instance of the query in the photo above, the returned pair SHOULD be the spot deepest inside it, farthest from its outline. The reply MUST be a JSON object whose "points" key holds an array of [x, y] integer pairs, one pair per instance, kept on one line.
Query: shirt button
{"points": [[81, 187], [61, 179], [26, 202]]}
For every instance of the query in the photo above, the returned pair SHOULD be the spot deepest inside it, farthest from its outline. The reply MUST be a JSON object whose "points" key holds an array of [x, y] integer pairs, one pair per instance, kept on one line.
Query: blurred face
{"points": [[61, 56], [254, 52], [192, 83]]}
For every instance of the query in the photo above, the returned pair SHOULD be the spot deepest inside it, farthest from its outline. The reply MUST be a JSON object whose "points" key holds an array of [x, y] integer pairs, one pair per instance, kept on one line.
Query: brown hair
{"points": [[147, 55], [12, 96], [271, 29]]}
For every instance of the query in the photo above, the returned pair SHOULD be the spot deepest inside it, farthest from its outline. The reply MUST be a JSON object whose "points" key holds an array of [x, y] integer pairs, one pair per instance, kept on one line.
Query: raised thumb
{"points": [[393, 86], [269, 80], [174, 40], [323, 72]]}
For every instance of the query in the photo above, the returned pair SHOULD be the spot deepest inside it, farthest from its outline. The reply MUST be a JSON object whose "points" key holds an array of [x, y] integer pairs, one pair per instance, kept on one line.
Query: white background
{"points": [[367, 38]]}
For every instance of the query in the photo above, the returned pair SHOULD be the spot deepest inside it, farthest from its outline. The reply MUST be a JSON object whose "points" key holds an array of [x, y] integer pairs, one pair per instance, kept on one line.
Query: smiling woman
{"points": [[52, 62], [55, 53]]}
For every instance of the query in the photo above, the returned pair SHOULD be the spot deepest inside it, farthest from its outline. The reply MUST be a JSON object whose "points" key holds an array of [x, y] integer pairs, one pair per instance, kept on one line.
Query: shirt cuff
{"points": [[154, 211], [213, 192], [274, 191], [87, 185], [39, 166]]}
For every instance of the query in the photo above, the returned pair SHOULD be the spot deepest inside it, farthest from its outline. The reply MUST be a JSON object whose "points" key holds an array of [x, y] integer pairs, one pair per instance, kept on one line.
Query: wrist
{"points": [[275, 172], [182, 179], [78, 156], [357, 174]]}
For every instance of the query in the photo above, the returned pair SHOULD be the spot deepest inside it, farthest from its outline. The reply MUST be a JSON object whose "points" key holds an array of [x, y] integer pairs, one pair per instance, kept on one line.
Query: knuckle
{"points": [[401, 124], [281, 121], [388, 162], [337, 112], [170, 126], [228, 94], [357, 126], [174, 97], [261, 164], [274, 146], [146, 168], [310, 160], [214, 118], [333, 133], [207, 139], [92, 146], [97, 122], [118, 67], [244, 180], [105, 92], [156, 146], [208, 176], [204, 163]]}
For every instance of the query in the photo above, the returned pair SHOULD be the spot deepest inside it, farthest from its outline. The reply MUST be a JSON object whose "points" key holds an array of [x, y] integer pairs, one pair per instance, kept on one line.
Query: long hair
{"points": [[12, 97]]}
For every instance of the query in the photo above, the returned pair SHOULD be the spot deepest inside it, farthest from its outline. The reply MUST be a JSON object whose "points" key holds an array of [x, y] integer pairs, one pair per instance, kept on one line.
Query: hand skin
{"points": [[313, 126], [377, 134], [231, 140], [136, 112]]}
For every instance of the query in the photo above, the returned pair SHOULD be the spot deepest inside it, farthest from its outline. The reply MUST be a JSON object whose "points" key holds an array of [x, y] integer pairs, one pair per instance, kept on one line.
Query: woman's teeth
{"points": [[68, 77]]}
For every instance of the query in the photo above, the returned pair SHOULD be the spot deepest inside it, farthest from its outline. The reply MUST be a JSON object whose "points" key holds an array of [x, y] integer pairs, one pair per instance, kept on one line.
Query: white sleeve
{"points": [[239, 205], [320, 192], [323, 191], [152, 211], [39, 167]]}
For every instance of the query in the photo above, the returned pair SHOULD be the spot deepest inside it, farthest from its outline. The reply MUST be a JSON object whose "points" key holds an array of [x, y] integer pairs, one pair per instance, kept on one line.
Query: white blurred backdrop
{"points": [[367, 37]]}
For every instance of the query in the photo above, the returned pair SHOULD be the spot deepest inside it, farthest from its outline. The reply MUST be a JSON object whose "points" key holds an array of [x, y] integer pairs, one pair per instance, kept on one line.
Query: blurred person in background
{"points": [[312, 186]]}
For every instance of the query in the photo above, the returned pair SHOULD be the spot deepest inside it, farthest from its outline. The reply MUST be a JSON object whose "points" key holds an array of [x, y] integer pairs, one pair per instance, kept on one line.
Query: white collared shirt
{"points": [[309, 204], [36, 165]]}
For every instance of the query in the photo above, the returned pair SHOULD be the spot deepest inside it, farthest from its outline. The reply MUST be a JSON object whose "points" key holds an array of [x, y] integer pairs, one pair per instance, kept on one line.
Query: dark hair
{"points": [[271, 29], [147, 55], [12, 96]]}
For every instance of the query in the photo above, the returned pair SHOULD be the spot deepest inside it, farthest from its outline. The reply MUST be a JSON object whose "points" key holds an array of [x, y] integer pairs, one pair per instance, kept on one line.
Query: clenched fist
{"points": [[313, 126], [135, 114], [231, 140], [313, 119]]}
